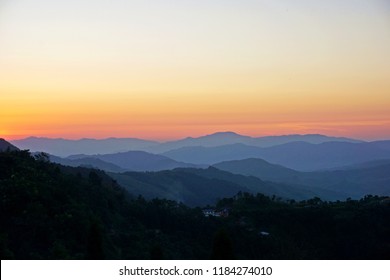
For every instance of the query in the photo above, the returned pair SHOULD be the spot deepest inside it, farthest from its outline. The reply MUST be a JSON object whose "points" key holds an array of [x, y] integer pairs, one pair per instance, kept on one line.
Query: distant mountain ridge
{"points": [[89, 162], [356, 180], [135, 161], [229, 138], [199, 187], [362, 165], [64, 147], [301, 152], [364, 168], [259, 168], [301, 156]]}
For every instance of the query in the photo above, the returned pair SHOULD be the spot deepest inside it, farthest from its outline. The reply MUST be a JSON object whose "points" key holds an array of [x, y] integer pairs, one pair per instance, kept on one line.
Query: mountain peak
{"points": [[224, 134]]}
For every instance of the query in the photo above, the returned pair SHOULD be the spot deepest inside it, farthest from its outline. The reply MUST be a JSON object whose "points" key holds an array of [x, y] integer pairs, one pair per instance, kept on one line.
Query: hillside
{"points": [[354, 181], [51, 211], [310, 157], [89, 162], [4, 145], [383, 144], [212, 155], [180, 186], [259, 168], [199, 187], [280, 190], [300, 156], [136, 161]]}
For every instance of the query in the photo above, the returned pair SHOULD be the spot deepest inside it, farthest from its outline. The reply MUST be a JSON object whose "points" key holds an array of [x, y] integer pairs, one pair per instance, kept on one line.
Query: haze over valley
{"points": [[199, 171]]}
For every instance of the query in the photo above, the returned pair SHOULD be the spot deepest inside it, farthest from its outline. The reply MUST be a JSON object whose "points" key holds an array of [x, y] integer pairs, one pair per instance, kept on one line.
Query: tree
{"points": [[222, 247], [95, 242], [94, 178]]}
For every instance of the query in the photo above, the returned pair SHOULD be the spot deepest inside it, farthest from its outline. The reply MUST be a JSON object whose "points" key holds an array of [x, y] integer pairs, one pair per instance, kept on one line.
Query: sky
{"points": [[163, 70]]}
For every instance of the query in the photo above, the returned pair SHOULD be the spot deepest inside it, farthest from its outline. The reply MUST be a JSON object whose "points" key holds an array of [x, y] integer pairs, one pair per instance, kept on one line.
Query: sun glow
{"points": [[162, 72]]}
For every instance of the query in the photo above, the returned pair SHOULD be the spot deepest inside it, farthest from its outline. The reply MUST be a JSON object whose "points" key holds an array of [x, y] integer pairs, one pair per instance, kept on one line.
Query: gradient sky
{"points": [[168, 69]]}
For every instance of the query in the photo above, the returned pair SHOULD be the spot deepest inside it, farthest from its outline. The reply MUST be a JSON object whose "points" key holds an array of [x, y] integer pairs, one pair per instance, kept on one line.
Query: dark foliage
{"points": [[222, 246], [53, 212]]}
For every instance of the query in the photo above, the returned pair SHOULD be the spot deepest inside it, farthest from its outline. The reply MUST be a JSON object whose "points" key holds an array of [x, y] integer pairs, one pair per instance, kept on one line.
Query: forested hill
{"points": [[53, 212]]}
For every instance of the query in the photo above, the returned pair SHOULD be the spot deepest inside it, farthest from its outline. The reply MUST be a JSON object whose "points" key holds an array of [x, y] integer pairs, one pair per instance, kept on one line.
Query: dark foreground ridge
{"points": [[49, 211], [4, 146]]}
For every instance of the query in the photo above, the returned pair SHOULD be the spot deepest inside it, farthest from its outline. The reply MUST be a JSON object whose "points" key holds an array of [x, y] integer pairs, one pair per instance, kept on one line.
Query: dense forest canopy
{"points": [[49, 211]]}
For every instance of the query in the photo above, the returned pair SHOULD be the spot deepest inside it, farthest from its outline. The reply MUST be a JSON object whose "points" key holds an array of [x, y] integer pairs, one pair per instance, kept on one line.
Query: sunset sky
{"points": [[163, 70]]}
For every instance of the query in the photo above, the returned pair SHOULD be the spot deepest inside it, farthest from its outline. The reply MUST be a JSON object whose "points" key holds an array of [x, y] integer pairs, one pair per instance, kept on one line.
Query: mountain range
{"points": [[89, 162], [134, 161], [64, 147], [301, 156], [301, 152], [199, 187], [355, 180], [49, 211], [199, 171]]}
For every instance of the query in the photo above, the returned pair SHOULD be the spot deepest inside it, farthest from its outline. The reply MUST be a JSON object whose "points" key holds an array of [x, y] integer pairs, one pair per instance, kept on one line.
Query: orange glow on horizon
{"points": [[364, 130], [247, 67]]}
